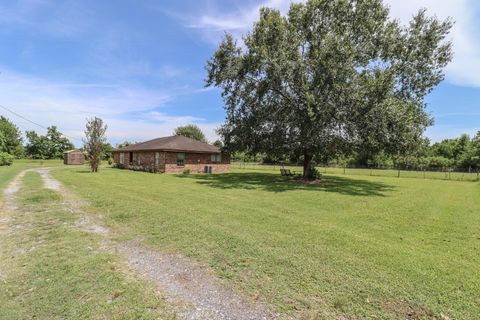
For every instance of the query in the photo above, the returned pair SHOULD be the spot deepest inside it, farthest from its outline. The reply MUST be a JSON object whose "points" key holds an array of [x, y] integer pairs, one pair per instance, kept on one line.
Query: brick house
{"points": [[172, 155]]}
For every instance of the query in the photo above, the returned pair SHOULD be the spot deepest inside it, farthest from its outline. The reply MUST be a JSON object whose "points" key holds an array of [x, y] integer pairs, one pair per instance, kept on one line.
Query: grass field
{"points": [[354, 246], [8, 172], [448, 175], [51, 270]]}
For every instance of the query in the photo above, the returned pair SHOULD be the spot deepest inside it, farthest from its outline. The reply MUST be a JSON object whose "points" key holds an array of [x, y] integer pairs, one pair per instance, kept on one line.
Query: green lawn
{"points": [[52, 270], [8, 172], [392, 173], [361, 246]]}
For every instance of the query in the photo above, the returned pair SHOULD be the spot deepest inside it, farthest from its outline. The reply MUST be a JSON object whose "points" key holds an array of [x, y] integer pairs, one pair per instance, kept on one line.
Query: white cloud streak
{"points": [[126, 110]]}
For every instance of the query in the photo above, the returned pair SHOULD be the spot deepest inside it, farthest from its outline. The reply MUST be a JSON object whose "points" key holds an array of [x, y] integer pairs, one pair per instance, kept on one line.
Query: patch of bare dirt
{"points": [[185, 280], [406, 310], [49, 182], [86, 224], [11, 190]]}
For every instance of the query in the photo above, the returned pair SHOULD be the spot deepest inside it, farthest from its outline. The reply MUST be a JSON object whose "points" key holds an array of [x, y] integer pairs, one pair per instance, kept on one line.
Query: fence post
{"points": [[344, 169], [398, 175]]}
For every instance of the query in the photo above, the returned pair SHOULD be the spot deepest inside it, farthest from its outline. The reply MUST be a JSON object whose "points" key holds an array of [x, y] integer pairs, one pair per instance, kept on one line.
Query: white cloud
{"points": [[464, 69], [215, 22], [126, 109]]}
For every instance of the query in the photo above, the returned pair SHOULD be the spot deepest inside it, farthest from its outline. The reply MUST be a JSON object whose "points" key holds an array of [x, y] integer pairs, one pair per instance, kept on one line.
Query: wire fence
{"points": [[447, 174]]}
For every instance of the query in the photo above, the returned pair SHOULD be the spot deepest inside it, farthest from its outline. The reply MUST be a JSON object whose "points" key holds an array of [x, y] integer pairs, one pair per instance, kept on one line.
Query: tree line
{"points": [[53, 144], [461, 154], [48, 146]]}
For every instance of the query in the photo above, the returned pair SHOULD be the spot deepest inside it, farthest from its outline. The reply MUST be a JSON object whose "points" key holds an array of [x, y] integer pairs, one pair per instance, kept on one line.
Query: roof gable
{"points": [[172, 143]]}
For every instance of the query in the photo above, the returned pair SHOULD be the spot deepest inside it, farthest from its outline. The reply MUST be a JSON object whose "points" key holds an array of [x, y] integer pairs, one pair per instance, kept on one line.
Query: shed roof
{"points": [[173, 143], [73, 150]]}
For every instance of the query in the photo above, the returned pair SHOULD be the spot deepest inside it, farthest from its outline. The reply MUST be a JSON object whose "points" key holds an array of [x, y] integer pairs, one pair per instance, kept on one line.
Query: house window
{"points": [[157, 158], [122, 157], [180, 159], [216, 158]]}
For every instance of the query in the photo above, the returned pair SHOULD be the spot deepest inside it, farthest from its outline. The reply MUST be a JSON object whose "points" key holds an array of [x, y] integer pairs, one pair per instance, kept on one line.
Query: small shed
{"points": [[73, 157]]}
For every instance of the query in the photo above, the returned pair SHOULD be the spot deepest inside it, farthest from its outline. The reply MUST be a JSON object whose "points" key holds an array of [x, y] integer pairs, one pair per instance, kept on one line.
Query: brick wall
{"points": [[196, 162], [168, 161]]}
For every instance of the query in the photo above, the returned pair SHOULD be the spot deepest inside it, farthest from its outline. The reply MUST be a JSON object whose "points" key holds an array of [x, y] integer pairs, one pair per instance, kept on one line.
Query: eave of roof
{"points": [[171, 144]]}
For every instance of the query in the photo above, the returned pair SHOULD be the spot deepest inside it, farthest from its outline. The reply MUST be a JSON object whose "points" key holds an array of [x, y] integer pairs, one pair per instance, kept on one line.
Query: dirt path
{"points": [[191, 288]]}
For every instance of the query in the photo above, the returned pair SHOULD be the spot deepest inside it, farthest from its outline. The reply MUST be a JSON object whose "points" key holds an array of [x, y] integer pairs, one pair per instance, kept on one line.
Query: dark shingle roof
{"points": [[173, 143]]}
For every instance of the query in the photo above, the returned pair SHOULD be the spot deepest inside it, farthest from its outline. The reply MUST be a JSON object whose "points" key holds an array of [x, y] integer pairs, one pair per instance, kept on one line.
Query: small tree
{"points": [[191, 131], [94, 141]]}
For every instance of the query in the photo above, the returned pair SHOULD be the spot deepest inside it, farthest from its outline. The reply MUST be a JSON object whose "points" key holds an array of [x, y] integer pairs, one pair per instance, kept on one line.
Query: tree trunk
{"points": [[307, 162]]}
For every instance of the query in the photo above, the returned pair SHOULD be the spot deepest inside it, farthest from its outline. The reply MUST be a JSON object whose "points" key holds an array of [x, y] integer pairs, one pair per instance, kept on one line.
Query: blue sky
{"points": [[140, 64]]}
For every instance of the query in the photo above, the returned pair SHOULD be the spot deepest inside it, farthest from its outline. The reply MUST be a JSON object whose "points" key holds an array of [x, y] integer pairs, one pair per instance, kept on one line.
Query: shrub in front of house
{"points": [[5, 159], [186, 171]]}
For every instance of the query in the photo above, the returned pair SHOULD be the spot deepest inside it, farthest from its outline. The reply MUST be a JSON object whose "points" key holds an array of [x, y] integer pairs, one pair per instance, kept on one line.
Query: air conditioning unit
{"points": [[208, 169]]}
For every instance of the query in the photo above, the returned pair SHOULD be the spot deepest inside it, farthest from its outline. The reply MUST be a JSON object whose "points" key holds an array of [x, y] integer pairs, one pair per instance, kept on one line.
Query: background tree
{"points": [[10, 138], [218, 144], [107, 151], [58, 143], [332, 77], [191, 131], [124, 144], [94, 141], [37, 146], [50, 146]]}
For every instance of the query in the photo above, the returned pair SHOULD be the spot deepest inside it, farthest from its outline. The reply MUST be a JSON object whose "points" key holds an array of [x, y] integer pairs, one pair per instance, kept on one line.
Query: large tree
{"points": [[330, 77], [191, 131], [94, 141], [10, 138], [49, 146]]}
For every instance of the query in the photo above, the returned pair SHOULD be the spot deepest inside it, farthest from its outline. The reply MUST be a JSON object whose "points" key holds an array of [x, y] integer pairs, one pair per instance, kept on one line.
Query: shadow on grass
{"points": [[276, 183]]}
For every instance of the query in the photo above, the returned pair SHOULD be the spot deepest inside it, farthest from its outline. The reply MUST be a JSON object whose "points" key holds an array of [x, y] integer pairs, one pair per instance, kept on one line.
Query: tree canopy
{"points": [[191, 131], [329, 78], [10, 138]]}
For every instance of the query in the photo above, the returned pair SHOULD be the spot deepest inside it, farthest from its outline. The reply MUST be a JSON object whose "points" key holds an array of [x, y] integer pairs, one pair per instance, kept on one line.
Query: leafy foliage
{"points": [[94, 141], [10, 138], [191, 131], [50, 146], [329, 78], [107, 151], [6, 159], [218, 144]]}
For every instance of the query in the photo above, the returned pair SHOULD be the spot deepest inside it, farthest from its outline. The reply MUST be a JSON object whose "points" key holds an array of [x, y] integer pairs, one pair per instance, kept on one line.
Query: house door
{"points": [[130, 157]]}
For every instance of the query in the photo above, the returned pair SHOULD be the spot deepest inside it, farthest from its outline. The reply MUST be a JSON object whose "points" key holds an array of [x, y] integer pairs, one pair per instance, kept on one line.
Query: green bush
{"points": [[5, 159], [186, 171]]}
